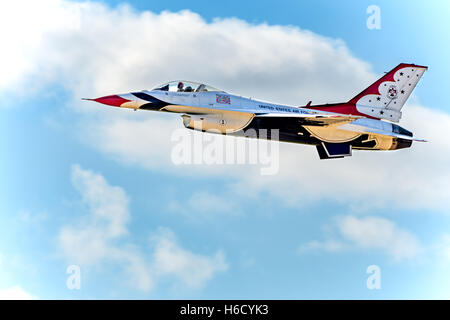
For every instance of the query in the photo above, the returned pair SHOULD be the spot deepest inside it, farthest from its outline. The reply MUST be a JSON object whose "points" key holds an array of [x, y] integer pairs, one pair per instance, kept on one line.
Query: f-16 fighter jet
{"points": [[365, 122]]}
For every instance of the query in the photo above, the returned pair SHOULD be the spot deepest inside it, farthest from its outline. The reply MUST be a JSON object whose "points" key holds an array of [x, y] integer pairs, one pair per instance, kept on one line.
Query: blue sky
{"points": [[88, 185]]}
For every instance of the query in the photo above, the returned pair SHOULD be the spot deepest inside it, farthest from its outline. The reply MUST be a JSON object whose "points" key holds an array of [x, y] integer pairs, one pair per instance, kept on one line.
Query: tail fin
{"points": [[385, 97]]}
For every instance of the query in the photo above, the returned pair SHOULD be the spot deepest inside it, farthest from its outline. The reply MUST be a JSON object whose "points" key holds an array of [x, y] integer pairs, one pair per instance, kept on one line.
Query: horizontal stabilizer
{"points": [[364, 125]]}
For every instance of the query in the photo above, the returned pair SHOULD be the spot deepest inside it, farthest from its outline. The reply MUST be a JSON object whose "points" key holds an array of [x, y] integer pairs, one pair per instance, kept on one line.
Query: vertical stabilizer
{"points": [[385, 97]]}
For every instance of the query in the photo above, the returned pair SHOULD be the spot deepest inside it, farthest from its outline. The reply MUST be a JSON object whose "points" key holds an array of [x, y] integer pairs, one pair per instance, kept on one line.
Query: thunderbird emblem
{"points": [[392, 92]]}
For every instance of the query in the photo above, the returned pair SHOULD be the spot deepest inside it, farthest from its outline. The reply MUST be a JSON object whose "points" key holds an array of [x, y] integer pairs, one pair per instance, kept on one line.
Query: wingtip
{"points": [[413, 65]]}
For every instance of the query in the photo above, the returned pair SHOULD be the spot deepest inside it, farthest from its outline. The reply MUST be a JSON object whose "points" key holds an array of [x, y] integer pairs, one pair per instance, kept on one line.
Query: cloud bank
{"points": [[99, 238], [368, 233], [90, 48]]}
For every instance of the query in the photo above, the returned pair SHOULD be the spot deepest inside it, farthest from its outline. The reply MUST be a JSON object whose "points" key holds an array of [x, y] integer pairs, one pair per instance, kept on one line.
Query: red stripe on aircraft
{"points": [[112, 100]]}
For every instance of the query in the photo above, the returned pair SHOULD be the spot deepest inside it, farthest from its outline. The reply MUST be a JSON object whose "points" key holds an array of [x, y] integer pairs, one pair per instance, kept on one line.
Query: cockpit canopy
{"points": [[185, 86]]}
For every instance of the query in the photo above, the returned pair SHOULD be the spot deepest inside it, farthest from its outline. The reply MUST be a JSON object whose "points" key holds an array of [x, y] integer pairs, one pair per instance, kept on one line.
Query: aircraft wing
{"points": [[335, 131], [357, 124], [316, 115], [322, 119]]}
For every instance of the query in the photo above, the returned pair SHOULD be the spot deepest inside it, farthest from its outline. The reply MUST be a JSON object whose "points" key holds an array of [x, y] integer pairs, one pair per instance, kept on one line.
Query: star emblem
{"points": [[378, 98]]}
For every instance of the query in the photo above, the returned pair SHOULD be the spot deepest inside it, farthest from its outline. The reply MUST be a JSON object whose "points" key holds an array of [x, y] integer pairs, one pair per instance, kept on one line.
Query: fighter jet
{"points": [[365, 122]]}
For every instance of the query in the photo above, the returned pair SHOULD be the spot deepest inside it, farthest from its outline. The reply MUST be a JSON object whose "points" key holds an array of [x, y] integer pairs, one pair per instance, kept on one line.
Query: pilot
{"points": [[180, 86]]}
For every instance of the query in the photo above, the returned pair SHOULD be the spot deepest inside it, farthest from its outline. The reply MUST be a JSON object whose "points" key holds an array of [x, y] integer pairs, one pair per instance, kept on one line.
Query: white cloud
{"points": [[203, 205], [92, 49], [379, 233], [192, 269], [206, 203], [330, 245], [15, 293], [100, 238], [368, 233], [107, 203], [26, 216], [94, 240]]}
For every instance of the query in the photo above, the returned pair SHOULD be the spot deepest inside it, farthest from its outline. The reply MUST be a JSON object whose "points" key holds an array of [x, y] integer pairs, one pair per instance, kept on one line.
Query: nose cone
{"points": [[112, 100]]}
